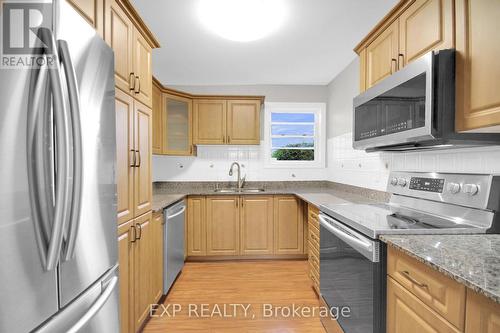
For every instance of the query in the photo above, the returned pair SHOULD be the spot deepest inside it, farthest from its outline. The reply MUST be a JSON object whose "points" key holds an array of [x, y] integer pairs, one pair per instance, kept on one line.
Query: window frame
{"points": [[319, 110]]}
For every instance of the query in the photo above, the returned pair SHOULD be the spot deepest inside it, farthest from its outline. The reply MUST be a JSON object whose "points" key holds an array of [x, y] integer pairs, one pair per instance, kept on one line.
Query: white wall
{"points": [[354, 167], [212, 162]]}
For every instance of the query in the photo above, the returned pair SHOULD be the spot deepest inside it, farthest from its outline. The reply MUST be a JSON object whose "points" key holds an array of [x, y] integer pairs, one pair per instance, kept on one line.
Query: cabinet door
{"points": [[92, 11], [243, 122], [157, 120], [406, 313], [478, 68], [125, 262], [177, 125], [142, 145], [209, 122], [288, 225], [143, 83], [425, 26], [223, 232], [157, 257], [119, 34], [382, 55], [142, 269], [256, 216], [196, 227], [124, 109], [483, 315]]}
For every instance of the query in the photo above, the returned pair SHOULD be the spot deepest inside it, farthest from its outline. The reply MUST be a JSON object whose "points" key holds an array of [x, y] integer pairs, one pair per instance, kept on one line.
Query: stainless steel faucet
{"points": [[241, 181]]}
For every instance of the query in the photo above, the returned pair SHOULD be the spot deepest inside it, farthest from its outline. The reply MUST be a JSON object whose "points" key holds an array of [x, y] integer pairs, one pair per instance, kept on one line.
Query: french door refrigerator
{"points": [[58, 247]]}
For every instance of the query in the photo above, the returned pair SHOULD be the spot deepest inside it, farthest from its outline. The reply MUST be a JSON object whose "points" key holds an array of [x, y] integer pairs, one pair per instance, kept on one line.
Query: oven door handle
{"points": [[364, 246]]}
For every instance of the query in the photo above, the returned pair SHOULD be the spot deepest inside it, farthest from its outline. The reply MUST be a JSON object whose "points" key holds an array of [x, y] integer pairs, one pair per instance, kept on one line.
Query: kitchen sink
{"points": [[239, 190]]}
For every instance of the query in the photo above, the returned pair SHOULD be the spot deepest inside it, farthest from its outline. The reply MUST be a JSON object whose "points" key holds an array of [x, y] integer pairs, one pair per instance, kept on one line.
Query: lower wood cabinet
{"points": [[288, 225], [313, 245], [223, 225], [483, 315], [256, 221], [140, 258], [247, 225]]}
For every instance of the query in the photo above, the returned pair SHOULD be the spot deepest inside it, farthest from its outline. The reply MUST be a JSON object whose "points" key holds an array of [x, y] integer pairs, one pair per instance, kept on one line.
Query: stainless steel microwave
{"points": [[413, 108]]}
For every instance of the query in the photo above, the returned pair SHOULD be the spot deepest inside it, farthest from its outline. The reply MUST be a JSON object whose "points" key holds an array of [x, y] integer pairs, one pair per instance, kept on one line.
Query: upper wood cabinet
{"points": [[157, 119], [413, 28], [483, 315], [196, 226], [256, 221], [288, 225], [209, 121], [223, 225], [143, 82], [142, 170], [478, 68], [177, 116], [382, 55], [243, 122], [92, 11], [425, 26]]}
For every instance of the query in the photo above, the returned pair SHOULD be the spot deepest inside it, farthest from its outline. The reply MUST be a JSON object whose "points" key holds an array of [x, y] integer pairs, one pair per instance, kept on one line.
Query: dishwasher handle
{"points": [[182, 210]]}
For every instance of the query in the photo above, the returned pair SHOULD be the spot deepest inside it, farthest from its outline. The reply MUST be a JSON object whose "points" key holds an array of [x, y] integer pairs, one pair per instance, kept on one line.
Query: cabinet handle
{"points": [[395, 63], [401, 59], [138, 90], [132, 227], [242, 202], [132, 164], [139, 159], [228, 139], [407, 275], [223, 139], [236, 202], [140, 231], [131, 81]]}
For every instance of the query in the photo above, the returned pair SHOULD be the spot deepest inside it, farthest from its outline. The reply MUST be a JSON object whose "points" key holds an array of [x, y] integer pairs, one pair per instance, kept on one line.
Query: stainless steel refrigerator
{"points": [[58, 247]]}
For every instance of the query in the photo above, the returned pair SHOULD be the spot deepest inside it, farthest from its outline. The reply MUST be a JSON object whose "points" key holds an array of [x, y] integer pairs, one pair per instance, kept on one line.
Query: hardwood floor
{"points": [[254, 288]]}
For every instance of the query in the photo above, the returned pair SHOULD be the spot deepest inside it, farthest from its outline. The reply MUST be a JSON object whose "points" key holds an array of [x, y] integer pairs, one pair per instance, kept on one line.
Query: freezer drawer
{"points": [[94, 311]]}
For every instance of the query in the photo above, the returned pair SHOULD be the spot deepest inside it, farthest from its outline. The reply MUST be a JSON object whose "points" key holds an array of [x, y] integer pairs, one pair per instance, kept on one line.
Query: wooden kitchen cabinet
{"points": [[142, 269], [223, 225], [256, 216], [406, 313], [313, 245], [243, 122], [177, 115], [142, 155], [124, 109], [209, 121], [92, 11], [143, 82], [478, 68], [288, 225], [125, 262], [425, 26], [157, 256], [382, 55], [483, 315], [196, 226], [157, 119]]}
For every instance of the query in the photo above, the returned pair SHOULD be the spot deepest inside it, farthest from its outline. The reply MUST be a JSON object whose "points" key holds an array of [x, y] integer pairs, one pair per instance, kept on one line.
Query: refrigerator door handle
{"points": [[74, 102], [96, 306], [63, 158]]}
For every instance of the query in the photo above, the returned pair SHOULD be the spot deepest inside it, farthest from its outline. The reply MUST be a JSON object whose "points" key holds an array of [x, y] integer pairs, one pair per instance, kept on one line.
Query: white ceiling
{"points": [[313, 45]]}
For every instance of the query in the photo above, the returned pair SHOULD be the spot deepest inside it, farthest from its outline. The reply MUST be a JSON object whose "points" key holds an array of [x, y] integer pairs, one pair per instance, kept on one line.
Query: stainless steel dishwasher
{"points": [[173, 243]]}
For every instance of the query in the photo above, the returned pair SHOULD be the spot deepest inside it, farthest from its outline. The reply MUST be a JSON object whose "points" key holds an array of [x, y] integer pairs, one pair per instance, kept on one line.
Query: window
{"points": [[295, 134]]}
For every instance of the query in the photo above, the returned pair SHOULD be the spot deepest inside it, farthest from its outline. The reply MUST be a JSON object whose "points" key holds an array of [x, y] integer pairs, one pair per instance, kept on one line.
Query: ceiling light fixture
{"points": [[242, 20]]}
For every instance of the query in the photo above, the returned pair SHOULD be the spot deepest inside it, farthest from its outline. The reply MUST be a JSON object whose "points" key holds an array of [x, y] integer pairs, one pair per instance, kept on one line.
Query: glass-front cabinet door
{"points": [[177, 125]]}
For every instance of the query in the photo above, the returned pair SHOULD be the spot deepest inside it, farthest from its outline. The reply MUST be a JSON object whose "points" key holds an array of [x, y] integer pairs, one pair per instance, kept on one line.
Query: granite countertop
{"points": [[473, 260], [316, 195]]}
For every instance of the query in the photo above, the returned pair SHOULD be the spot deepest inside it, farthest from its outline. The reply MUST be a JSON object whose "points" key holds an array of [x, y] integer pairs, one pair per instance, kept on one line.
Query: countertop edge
{"points": [[443, 270]]}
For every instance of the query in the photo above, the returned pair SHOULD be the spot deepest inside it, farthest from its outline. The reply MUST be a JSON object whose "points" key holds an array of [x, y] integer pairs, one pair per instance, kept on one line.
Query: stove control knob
{"points": [[453, 188], [471, 189], [394, 181], [402, 182]]}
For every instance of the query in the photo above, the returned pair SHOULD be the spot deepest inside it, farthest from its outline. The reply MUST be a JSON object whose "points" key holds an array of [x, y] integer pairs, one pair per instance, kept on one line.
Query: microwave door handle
{"points": [[74, 102], [63, 157]]}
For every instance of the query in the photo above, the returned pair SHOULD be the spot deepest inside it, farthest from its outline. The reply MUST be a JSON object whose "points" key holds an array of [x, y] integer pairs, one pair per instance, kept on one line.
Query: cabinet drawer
{"points": [[312, 213], [314, 230], [313, 239], [407, 313], [442, 294], [314, 260]]}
